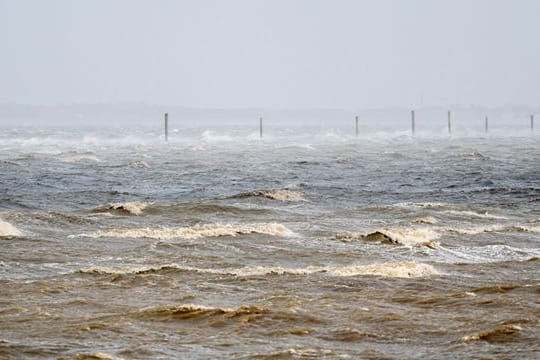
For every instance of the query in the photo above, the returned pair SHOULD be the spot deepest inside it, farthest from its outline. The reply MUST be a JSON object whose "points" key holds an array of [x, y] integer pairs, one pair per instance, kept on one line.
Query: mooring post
{"points": [[486, 125], [412, 122], [356, 122], [166, 127], [532, 123], [260, 127], [449, 122]]}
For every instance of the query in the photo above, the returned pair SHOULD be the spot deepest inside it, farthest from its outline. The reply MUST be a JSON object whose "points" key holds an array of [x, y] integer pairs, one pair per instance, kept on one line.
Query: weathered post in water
{"points": [[486, 126], [449, 122], [412, 122], [260, 127], [356, 122], [532, 123], [166, 126]]}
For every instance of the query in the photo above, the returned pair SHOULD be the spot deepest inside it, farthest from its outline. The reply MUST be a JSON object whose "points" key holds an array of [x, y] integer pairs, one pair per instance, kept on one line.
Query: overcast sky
{"points": [[273, 54]]}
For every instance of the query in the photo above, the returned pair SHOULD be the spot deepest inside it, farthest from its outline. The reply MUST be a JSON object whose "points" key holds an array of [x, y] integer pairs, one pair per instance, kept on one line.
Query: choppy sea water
{"points": [[223, 245]]}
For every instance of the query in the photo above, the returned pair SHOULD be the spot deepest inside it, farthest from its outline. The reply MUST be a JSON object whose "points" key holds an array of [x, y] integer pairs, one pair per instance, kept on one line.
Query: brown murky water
{"points": [[300, 248]]}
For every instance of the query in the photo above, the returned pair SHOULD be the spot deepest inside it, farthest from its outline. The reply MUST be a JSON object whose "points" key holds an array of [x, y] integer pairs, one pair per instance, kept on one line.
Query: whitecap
{"points": [[195, 232], [6, 229]]}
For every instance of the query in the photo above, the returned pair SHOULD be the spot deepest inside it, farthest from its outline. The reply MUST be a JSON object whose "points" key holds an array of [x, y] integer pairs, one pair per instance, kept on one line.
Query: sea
{"points": [[302, 244]]}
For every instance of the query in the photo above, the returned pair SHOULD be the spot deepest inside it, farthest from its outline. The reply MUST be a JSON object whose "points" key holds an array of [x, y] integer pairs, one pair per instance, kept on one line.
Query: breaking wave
{"points": [[501, 333], [469, 213], [487, 254], [131, 208], [422, 205], [407, 269], [278, 195], [142, 270], [199, 231], [6, 229], [425, 220], [396, 236], [492, 229], [425, 236], [140, 164], [95, 356]]}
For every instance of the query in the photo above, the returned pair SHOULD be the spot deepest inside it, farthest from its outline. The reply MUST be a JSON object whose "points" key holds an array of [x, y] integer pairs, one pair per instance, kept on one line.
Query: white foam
{"points": [[469, 213], [97, 356], [411, 236], [199, 231], [6, 229], [132, 207], [407, 269], [486, 254], [499, 333], [422, 205], [283, 195], [279, 195], [139, 164], [425, 220], [491, 229], [126, 270], [402, 236]]}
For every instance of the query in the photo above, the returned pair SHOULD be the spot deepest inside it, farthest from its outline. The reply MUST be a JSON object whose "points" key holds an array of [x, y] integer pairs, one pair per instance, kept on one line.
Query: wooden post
{"points": [[532, 123], [260, 127], [356, 121], [449, 123], [412, 122], [486, 126], [166, 127]]}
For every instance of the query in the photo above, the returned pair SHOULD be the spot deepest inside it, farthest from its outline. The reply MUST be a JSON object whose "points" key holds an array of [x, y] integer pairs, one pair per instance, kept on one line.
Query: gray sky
{"points": [[272, 54]]}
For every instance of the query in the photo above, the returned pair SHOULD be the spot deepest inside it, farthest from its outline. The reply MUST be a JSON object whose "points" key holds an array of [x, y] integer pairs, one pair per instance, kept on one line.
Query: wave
{"points": [[199, 231], [501, 333], [407, 269], [279, 195], [205, 208], [425, 236], [469, 213], [421, 205], [425, 220], [395, 236], [191, 311], [491, 229], [487, 254], [131, 208], [6, 229], [142, 270], [141, 164], [474, 155], [95, 356], [446, 209], [139, 207]]}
